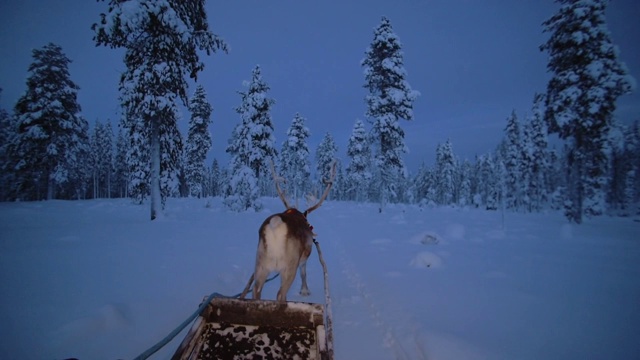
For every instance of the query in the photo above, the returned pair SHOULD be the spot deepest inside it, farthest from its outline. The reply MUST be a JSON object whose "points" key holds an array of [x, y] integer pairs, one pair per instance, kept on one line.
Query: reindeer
{"points": [[284, 245]]}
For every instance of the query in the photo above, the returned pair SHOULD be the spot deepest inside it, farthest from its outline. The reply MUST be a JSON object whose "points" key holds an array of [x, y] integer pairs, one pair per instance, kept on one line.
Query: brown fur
{"points": [[297, 248], [284, 245]]}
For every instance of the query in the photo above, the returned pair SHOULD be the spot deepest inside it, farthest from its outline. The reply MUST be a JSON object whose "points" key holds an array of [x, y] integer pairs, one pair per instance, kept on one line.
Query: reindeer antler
{"points": [[326, 190], [277, 179]]}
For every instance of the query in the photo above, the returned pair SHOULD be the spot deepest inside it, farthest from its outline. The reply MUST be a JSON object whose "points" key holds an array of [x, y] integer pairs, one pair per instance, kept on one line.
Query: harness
{"points": [[305, 213]]}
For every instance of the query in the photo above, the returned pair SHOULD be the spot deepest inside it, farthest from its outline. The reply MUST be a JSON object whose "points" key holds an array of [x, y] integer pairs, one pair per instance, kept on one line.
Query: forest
{"points": [[567, 153]]}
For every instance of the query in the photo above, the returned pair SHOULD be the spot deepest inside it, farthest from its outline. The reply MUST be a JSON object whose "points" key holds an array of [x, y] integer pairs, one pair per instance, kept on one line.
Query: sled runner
{"points": [[257, 329]]}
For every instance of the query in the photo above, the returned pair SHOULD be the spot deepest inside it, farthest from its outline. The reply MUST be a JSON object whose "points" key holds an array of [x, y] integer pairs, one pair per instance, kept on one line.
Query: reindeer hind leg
{"points": [[304, 290], [260, 277], [286, 279], [246, 288]]}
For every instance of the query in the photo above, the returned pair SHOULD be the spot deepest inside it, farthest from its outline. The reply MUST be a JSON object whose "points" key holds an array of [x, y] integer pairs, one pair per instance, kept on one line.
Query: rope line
{"points": [[327, 305], [152, 350], [329, 315]]}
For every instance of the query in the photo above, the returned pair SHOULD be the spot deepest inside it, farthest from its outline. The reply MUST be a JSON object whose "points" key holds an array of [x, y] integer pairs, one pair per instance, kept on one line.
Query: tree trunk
{"points": [[156, 200]]}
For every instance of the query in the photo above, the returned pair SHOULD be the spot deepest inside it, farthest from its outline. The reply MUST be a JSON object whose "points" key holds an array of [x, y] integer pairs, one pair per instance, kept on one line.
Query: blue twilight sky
{"points": [[474, 61]]}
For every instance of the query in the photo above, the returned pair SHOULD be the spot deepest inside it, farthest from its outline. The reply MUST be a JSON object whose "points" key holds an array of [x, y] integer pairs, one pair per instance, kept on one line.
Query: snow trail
{"points": [[355, 281]]}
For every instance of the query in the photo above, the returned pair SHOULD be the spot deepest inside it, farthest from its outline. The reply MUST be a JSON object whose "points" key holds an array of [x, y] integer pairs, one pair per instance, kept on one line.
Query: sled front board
{"points": [[256, 329]]}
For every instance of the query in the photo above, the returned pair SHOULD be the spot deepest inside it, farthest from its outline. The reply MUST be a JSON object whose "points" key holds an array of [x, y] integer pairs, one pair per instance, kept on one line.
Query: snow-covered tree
{"points": [[525, 167], [198, 141], [162, 40], [102, 159], [390, 99], [358, 176], [52, 140], [251, 145], [587, 78], [171, 149], [120, 168], [624, 164], [513, 157], [488, 191], [339, 188], [215, 179], [137, 157], [243, 192], [7, 135], [635, 141], [464, 178], [325, 155], [445, 173], [295, 165], [421, 184], [256, 129], [538, 171], [556, 179]]}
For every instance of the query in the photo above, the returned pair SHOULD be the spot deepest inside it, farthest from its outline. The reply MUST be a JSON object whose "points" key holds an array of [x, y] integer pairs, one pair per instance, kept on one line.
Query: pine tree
{"points": [[52, 137], [120, 169], [137, 157], [238, 179], [108, 150], [390, 99], [339, 181], [525, 167], [171, 149], [251, 145], [295, 165], [161, 39], [513, 158], [622, 191], [421, 184], [556, 177], [8, 132], [465, 175], [102, 159], [635, 158], [242, 192], [215, 179], [243, 189], [445, 173], [198, 141], [426, 187], [257, 128], [358, 176], [587, 78], [539, 167], [488, 183], [325, 156]]}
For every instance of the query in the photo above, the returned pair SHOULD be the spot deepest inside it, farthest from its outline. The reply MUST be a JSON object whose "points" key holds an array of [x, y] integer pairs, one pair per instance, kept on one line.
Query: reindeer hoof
{"points": [[305, 292]]}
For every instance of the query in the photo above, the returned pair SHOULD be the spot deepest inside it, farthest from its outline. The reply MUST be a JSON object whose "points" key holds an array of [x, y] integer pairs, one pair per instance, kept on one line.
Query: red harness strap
{"points": [[291, 211]]}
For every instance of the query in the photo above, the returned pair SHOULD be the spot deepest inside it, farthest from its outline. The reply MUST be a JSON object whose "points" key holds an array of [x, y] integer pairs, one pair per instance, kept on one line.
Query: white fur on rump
{"points": [[275, 236]]}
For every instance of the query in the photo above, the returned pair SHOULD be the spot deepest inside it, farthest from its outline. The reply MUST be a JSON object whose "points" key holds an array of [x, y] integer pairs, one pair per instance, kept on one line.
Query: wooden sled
{"points": [[257, 329]]}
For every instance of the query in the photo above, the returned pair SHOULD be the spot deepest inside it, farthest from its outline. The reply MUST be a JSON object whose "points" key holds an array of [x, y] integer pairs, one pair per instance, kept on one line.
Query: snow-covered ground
{"points": [[98, 280]]}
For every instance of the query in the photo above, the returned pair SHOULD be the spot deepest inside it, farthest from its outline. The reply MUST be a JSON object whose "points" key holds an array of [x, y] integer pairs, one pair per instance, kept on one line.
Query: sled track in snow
{"points": [[388, 335]]}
